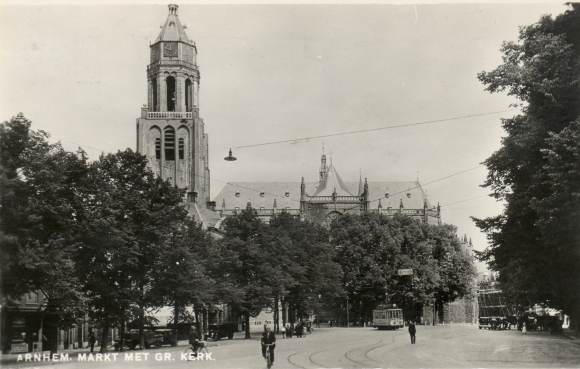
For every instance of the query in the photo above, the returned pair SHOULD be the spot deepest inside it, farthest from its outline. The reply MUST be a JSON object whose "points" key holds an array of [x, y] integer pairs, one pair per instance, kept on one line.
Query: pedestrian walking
{"points": [[283, 331], [92, 340], [524, 329], [299, 329], [412, 331]]}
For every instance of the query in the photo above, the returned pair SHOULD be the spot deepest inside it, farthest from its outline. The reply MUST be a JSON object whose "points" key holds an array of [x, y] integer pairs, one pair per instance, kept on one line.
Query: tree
{"points": [[41, 183], [246, 270], [306, 273], [532, 244], [373, 247], [129, 214], [180, 276]]}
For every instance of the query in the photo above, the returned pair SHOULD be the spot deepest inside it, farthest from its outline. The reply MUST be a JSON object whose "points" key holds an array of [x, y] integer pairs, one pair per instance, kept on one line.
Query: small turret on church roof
{"points": [[173, 30], [333, 183]]}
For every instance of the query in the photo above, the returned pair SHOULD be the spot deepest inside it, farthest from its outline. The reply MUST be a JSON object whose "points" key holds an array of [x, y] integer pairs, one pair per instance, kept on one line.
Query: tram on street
{"points": [[387, 317]]}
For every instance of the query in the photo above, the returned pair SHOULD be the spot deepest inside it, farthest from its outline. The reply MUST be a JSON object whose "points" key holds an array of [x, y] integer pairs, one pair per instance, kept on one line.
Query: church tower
{"points": [[170, 131]]}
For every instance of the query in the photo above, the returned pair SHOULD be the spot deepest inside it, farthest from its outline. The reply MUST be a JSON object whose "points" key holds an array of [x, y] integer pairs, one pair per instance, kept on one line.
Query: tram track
{"points": [[347, 355], [292, 362], [374, 347], [314, 362]]}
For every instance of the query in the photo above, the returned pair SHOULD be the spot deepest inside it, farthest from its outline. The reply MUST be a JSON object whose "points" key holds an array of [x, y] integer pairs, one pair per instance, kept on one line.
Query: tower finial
{"points": [[323, 167], [173, 9]]}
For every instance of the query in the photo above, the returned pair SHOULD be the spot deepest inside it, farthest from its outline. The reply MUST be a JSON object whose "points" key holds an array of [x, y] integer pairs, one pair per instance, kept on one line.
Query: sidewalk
{"points": [[6, 359], [571, 335]]}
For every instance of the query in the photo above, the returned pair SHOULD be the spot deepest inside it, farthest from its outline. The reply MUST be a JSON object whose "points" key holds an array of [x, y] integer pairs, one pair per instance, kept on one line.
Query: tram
{"points": [[387, 317]]}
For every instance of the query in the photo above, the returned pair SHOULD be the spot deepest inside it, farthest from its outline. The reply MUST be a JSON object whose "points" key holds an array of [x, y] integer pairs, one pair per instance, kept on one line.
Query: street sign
{"points": [[405, 272]]}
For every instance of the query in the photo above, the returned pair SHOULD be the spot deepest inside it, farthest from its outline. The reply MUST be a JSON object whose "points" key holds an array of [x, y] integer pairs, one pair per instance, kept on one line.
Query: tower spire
{"points": [[172, 29], [323, 168], [172, 109]]}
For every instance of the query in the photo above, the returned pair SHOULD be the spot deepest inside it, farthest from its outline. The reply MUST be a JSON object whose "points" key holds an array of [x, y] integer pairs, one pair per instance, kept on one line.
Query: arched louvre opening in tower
{"points": [[188, 91], [170, 93], [157, 148], [154, 92], [181, 148]]}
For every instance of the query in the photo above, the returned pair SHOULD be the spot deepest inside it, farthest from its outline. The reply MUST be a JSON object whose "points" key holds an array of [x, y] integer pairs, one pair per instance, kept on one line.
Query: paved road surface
{"points": [[437, 347]]}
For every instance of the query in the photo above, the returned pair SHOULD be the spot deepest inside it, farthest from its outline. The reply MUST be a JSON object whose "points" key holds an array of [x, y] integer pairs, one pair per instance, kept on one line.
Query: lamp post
{"points": [[347, 313], [318, 311]]}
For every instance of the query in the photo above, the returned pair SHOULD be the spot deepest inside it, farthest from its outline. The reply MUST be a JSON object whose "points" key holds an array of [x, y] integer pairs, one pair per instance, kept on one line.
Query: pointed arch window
{"points": [[158, 148], [169, 138], [181, 147]]}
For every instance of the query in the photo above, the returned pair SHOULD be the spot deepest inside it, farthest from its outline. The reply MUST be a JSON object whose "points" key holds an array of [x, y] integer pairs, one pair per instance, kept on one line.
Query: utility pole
{"points": [[347, 313]]}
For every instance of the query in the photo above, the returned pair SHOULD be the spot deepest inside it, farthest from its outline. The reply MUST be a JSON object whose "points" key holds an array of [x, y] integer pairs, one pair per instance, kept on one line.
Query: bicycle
{"points": [[268, 355], [196, 348]]}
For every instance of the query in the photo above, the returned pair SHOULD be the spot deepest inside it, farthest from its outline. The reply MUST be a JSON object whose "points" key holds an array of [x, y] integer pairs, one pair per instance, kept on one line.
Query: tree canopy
{"points": [[535, 243], [373, 247]]}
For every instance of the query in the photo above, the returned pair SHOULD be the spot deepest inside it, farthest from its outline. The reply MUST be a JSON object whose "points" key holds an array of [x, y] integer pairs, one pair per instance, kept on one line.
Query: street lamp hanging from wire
{"points": [[230, 157]]}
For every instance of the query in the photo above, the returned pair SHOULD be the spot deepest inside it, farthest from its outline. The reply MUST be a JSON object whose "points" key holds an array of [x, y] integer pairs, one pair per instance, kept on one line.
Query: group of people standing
{"points": [[290, 329]]}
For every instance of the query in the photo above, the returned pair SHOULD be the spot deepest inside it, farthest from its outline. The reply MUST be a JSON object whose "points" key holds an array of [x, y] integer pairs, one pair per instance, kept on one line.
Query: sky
{"points": [[272, 72]]}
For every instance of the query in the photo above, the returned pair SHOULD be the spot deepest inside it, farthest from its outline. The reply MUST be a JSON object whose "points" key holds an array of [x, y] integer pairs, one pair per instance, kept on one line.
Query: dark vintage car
{"points": [[496, 323], [222, 330], [153, 338]]}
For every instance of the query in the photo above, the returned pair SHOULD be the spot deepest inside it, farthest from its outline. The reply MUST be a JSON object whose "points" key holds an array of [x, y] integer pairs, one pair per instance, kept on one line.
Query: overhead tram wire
{"points": [[296, 140], [280, 196], [345, 133], [430, 182], [463, 200], [426, 184], [377, 199]]}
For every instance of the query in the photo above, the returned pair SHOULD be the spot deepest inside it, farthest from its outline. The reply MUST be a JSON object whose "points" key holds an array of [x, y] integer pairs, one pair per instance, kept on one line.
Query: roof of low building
{"points": [[261, 195], [287, 194]]}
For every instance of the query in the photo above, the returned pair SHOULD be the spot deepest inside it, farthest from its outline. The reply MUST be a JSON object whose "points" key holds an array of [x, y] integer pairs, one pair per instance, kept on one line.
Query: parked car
{"points": [[222, 330], [153, 338]]}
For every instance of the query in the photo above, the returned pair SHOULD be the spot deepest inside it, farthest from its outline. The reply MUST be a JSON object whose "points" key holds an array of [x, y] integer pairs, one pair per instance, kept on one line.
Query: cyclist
{"points": [[196, 344], [268, 338]]}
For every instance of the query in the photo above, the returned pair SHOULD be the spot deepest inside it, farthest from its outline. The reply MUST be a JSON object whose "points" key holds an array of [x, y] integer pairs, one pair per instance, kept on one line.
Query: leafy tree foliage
{"points": [[304, 260], [246, 266], [372, 248], [182, 272], [40, 185], [129, 214], [534, 242], [287, 260]]}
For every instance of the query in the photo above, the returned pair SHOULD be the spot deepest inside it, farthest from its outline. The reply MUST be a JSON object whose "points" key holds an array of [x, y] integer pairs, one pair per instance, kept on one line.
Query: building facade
{"points": [[170, 131], [327, 198], [171, 134]]}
